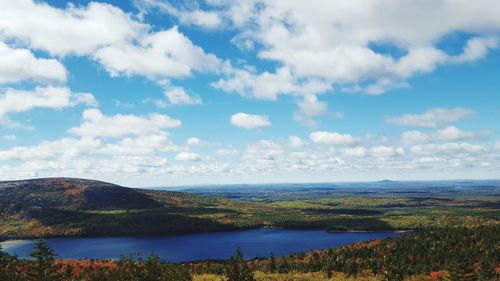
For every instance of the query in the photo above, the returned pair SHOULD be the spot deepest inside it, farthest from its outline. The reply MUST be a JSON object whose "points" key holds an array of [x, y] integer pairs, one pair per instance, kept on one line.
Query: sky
{"points": [[162, 93]]}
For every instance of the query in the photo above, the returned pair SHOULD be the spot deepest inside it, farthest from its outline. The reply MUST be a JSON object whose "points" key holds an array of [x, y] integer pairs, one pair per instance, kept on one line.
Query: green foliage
{"points": [[451, 254], [68, 207], [466, 253], [44, 261], [237, 269]]}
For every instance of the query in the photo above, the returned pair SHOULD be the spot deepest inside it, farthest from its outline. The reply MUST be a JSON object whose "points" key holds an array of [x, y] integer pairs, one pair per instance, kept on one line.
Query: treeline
{"points": [[454, 253], [45, 267], [434, 254]]}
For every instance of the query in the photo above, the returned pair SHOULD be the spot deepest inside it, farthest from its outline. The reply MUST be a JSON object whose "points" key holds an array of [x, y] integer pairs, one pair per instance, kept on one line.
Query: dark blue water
{"points": [[220, 245]]}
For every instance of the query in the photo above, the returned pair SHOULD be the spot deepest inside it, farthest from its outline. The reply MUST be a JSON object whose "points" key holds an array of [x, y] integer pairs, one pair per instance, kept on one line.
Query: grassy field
{"points": [[70, 207]]}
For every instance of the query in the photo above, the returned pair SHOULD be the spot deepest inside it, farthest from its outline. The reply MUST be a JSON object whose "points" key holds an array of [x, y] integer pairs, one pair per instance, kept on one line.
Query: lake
{"points": [[220, 245]]}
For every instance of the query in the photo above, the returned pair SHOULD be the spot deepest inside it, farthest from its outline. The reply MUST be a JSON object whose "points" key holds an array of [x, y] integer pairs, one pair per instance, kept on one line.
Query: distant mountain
{"points": [[77, 194], [68, 206]]}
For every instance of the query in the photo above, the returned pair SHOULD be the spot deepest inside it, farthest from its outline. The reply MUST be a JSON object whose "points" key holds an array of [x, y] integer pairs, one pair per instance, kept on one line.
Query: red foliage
{"points": [[77, 267]]}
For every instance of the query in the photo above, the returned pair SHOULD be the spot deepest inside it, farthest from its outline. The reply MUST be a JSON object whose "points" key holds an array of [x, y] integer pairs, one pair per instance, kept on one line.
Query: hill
{"points": [[67, 206], [80, 207]]}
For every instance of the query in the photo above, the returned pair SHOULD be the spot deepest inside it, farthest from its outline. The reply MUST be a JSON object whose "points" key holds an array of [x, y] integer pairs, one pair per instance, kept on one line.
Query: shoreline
{"points": [[14, 238]]}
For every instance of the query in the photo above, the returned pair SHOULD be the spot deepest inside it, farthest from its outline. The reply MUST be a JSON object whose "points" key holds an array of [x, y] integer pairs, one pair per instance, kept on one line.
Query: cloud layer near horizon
{"points": [[276, 52]]}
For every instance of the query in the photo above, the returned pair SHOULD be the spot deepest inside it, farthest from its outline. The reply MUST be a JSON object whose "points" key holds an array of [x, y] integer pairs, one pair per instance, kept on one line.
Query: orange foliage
{"points": [[77, 267]]}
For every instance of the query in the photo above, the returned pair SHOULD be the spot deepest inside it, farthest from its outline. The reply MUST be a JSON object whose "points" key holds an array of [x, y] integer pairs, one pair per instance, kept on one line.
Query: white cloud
{"points": [[477, 48], [162, 54], [452, 133], [448, 134], [97, 124], [187, 16], [386, 151], [178, 96], [432, 118], [331, 138], [20, 64], [10, 137], [414, 137], [249, 121], [228, 151], [119, 41], [295, 142], [193, 141], [310, 106], [12, 101], [66, 148], [448, 148], [304, 120], [73, 30], [149, 144], [358, 151], [333, 40], [187, 156], [268, 85]]}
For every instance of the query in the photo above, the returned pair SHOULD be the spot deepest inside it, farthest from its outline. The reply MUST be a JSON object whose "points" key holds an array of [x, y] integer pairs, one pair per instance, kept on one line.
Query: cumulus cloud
{"points": [[178, 96], [452, 133], [186, 15], [333, 41], [268, 85], [162, 54], [295, 142], [448, 134], [187, 156], [228, 151], [118, 40], [20, 64], [432, 118], [414, 137], [386, 151], [331, 138], [12, 100], [310, 106], [194, 141], [72, 30], [358, 151], [448, 148], [249, 121], [96, 124]]}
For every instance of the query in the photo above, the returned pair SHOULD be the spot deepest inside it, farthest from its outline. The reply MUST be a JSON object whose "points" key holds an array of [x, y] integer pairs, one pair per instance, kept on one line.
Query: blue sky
{"points": [[156, 92]]}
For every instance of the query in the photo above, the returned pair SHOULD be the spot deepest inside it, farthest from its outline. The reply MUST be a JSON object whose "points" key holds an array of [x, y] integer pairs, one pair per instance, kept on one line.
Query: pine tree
{"points": [[272, 263], [44, 261], [4, 261], [487, 270], [238, 269]]}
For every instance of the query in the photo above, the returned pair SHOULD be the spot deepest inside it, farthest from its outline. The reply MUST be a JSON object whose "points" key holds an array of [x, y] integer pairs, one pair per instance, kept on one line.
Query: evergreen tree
{"points": [[486, 271], [272, 263], [44, 261], [4, 262], [238, 269]]}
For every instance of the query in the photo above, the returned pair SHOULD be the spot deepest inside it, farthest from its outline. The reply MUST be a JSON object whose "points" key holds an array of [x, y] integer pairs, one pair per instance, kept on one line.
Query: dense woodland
{"points": [[77, 207], [456, 253]]}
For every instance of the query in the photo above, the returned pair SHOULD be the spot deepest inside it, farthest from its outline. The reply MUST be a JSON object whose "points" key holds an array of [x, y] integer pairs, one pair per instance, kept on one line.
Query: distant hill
{"points": [[68, 206], [78, 194], [80, 207]]}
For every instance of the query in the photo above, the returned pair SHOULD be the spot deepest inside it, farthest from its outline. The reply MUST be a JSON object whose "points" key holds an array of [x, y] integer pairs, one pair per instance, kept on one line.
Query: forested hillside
{"points": [[68, 207], [434, 254]]}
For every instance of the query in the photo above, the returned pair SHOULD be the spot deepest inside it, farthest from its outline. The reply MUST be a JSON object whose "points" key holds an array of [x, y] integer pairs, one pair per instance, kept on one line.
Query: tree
{"points": [[272, 263], [44, 261], [237, 269], [4, 261]]}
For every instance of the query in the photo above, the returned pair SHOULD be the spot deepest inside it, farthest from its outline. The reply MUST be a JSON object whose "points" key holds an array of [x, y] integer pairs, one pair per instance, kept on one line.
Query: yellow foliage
{"points": [[209, 277]]}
